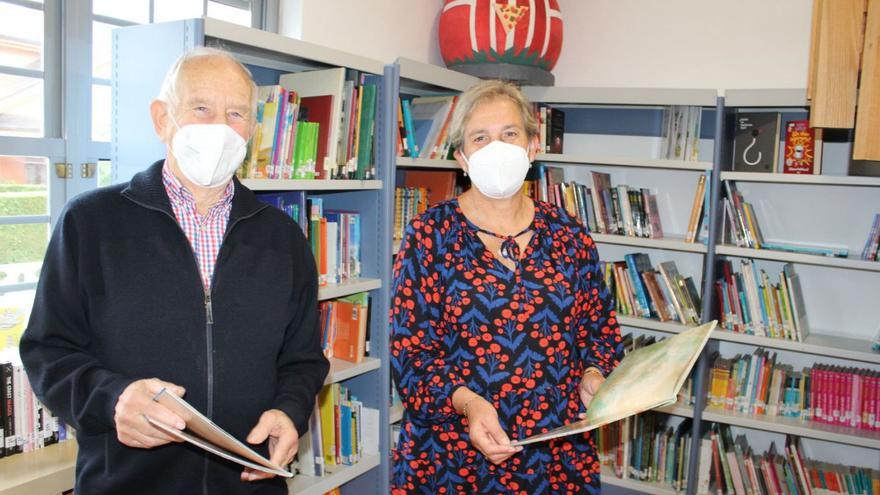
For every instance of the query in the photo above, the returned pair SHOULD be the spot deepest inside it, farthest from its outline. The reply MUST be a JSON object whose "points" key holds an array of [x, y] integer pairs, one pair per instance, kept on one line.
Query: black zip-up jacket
{"points": [[120, 298]]}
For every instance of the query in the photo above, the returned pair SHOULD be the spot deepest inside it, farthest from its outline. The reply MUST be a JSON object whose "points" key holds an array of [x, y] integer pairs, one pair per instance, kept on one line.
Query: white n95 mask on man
{"points": [[498, 169], [208, 154]]}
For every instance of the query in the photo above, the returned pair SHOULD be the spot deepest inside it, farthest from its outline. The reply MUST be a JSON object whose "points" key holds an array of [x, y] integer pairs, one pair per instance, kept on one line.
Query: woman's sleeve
{"points": [[599, 334], [422, 376]]}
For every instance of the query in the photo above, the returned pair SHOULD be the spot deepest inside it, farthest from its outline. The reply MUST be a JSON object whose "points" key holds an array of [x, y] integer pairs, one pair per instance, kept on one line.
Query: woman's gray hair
{"points": [[169, 92], [485, 91]]}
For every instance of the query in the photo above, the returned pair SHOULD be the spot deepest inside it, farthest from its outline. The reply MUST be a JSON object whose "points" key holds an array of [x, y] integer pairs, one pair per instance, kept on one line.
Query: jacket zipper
{"points": [[209, 310]]}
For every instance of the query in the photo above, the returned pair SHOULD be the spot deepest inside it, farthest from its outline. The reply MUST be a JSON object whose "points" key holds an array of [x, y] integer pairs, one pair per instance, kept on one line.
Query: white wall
{"points": [[685, 43], [379, 29], [624, 43]]}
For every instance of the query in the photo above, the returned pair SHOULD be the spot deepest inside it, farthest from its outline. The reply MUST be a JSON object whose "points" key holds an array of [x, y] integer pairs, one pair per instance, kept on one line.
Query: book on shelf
{"points": [[871, 251], [25, 423], [681, 133], [803, 148], [733, 467], [646, 378], [603, 208], [439, 184], [740, 226], [551, 128], [643, 291], [345, 430], [697, 209], [756, 142], [314, 125], [344, 323], [759, 384], [426, 121], [334, 235], [648, 448], [555, 129], [749, 303], [207, 435]]}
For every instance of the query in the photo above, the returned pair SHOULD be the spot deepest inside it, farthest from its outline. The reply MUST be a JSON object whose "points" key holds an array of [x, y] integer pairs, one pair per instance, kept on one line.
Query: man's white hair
{"points": [[169, 92]]}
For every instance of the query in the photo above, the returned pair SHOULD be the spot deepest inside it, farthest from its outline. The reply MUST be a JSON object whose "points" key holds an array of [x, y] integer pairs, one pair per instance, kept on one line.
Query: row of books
{"points": [[417, 190], [341, 431], [741, 227], [409, 202], [344, 323], [335, 235], [756, 145], [642, 291], [646, 447], [871, 252], [757, 384], [314, 125], [423, 126], [681, 133], [25, 423], [751, 304], [551, 128]]}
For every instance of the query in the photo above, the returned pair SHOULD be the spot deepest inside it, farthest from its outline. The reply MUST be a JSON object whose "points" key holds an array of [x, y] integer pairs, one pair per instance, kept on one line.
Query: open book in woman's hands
{"points": [[646, 378], [205, 434]]}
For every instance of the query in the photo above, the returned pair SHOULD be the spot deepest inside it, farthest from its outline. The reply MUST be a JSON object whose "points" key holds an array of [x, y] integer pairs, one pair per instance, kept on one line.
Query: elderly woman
{"points": [[502, 327]]}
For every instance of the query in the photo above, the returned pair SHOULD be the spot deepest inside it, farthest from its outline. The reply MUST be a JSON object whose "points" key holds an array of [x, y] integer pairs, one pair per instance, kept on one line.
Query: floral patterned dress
{"points": [[520, 338]]}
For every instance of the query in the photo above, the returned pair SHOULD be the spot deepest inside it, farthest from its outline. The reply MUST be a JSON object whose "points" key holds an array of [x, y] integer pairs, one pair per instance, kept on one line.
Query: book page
{"points": [[210, 437], [646, 378]]}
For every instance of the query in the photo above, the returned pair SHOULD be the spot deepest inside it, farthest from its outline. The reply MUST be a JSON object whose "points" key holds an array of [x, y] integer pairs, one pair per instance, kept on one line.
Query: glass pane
{"points": [[15, 310], [105, 173], [130, 10], [101, 102], [21, 106], [21, 41], [24, 186], [172, 10], [102, 49], [230, 14], [24, 190]]}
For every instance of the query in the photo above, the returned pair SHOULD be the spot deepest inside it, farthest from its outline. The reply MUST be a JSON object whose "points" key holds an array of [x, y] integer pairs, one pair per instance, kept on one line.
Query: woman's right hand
{"points": [[486, 433]]}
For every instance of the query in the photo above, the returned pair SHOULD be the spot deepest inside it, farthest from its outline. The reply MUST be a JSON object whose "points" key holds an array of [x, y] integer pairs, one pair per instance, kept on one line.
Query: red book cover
{"points": [[319, 109], [800, 148], [816, 393], [347, 328], [872, 404]]}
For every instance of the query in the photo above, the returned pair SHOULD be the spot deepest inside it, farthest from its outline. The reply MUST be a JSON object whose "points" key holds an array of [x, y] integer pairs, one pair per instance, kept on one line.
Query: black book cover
{"points": [[556, 129], [8, 413], [756, 142]]}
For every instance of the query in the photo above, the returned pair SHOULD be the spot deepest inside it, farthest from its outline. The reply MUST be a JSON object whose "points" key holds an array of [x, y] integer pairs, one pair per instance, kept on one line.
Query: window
{"points": [[45, 139], [21, 70]]}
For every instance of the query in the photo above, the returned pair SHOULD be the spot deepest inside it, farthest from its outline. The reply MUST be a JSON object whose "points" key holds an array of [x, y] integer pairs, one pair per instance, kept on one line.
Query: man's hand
{"points": [[283, 442], [135, 404], [486, 433], [591, 380]]}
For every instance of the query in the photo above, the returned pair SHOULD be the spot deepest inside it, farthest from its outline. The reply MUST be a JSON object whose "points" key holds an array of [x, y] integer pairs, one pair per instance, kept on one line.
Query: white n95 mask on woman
{"points": [[208, 154], [498, 169]]}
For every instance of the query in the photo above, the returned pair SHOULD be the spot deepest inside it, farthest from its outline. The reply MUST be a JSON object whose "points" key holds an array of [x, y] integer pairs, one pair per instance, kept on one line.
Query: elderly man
{"points": [[179, 279]]}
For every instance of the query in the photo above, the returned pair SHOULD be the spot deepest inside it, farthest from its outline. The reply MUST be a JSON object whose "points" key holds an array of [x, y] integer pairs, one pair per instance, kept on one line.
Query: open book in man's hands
{"points": [[206, 435], [646, 378]]}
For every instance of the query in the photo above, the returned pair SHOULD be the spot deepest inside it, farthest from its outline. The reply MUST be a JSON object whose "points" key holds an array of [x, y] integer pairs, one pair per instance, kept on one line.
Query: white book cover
{"points": [[321, 83]]}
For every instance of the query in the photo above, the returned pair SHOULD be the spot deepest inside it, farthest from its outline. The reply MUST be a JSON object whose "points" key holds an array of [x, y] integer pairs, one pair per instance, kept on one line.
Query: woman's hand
{"points": [[591, 380], [486, 433]]}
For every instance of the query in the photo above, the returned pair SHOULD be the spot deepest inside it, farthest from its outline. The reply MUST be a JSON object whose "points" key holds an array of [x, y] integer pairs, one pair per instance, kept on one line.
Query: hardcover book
{"points": [[800, 148], [646, 378], [205, 434], [756, 142]]}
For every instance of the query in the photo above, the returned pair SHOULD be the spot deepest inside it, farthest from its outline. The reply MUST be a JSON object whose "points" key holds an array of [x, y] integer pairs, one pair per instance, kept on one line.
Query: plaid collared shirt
{"points": [[205, 232]]}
